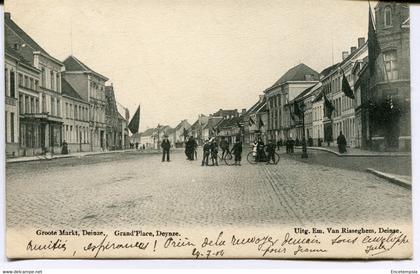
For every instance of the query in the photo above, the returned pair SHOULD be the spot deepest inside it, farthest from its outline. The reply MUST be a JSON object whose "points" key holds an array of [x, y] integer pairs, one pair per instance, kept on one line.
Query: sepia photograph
{"points": [[208, 129]]}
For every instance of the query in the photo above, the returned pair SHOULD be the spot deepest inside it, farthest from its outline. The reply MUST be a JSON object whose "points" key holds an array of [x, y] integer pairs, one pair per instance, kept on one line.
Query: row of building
{"points": [[375, 116], [49, 102]]}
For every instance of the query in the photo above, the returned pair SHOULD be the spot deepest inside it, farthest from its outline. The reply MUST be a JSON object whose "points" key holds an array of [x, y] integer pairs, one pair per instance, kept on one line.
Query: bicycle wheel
{"points": [[251, 159], [229, 160]]}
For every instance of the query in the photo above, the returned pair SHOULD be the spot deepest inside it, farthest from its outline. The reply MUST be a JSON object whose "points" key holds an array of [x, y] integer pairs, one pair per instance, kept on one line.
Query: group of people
{"points": [[211, 150], [262, 152]]}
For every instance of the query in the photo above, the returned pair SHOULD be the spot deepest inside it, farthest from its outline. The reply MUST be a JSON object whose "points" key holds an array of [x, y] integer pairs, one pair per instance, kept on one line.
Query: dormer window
{"points": [[387, 17]]}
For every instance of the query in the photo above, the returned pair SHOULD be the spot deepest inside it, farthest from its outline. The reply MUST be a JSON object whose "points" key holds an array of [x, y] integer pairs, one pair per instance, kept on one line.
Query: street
{"points": [[134, 189]]}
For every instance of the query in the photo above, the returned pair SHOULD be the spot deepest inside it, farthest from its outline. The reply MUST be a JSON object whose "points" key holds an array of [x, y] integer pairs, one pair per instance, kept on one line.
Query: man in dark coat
{"points": [[166, 146], [189, 148], [342, 143], [260, 150], [237, 151], [271, 150], [206, 153], [224, 145], [214, 150]]}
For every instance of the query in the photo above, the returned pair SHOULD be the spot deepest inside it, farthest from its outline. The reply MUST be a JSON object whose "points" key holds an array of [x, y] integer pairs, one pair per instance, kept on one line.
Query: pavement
{"points": [[137, 189], [357, 152], [75, 154]]}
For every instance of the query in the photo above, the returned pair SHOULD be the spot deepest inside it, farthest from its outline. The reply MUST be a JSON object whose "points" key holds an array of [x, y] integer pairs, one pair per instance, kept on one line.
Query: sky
{"points": [[182, 58]]}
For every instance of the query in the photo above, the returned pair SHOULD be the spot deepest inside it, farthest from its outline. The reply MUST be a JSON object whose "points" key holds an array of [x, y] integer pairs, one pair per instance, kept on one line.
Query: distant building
{"points": [[256, 121], [181, 131], [76, 119], [116, 124], [90, 85], [290, 85]]}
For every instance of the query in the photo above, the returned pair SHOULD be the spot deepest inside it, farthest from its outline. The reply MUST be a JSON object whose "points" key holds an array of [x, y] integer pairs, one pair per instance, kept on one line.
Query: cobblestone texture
{"points": [[132, 190]]}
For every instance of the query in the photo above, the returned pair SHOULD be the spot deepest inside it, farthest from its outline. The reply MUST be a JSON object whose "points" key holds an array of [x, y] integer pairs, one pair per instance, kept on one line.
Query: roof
{"points": [[73, 64], [67, 89], [181, 125], [225, 112], [22, 34], [17, 55], [329, 69], [232, 122], [297, 73], [148, 132]]}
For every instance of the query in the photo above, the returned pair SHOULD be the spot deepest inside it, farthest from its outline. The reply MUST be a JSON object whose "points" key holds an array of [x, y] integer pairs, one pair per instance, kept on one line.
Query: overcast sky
{"points": [[182, 58]]}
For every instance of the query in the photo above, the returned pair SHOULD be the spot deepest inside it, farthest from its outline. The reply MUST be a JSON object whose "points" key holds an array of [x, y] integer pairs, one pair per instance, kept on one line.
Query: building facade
{"points": [[76, 119], [39, 94], [90, 85], [290, 85], [390, 123]]}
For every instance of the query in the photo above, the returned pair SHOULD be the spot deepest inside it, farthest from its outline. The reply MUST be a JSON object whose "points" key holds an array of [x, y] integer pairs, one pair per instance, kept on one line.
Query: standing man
{"points": [[342, 143], [166, 146], [224, 145], [271, 150], [237, 151], [206, 153]]}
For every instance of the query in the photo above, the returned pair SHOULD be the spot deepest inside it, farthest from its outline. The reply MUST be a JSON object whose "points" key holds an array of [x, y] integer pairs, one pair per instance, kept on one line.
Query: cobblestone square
{"points": [[133, 189]]}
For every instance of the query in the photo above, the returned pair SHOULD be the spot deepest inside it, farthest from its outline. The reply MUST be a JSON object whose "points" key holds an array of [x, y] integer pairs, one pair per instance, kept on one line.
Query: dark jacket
{"points": [[237, 148], [166, 145]]}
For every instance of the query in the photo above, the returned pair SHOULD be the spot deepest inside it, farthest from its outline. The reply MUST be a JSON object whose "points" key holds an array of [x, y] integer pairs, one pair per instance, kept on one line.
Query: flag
{"points": [[251, 121], [373, 45], [346, 87], [134, 124], [260, 123], [329, 107], [297, 109]]}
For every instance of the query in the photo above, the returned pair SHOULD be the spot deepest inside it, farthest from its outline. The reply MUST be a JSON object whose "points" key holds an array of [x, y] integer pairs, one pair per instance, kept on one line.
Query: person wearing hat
{"points": [[214, 150], [166, 146], [206, 153], [271, 149], [237, 151]]}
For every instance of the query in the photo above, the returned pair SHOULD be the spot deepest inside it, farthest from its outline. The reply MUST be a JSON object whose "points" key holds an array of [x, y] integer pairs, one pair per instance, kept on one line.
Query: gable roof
{"points": [[73, 64], [148, 132], [329, 69], [67, 89], [297, 73], [22, 34]]}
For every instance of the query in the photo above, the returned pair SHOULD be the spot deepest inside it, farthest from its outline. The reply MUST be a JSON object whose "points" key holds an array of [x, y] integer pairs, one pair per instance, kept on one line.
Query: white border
{"points": [[233, 266]]}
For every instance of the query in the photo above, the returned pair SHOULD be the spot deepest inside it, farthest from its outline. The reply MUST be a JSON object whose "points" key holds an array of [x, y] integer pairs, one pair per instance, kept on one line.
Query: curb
{"points": [[13, 161], [355, 155], [390, 178]]}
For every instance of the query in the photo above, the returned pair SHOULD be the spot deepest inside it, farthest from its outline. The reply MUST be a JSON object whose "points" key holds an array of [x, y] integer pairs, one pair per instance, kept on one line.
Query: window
{"points": [[12, 127], [12, 84], [43, 80], [6, 83], [20, 79], [44, 103], [36, 84], [26, 84], [52, 80], [75, 112], [21, 104], [57, 82], [36, 105], [31, 83], [391, 66], [67, 110], [32, 105], [52, 112], [58, 108], [387, 17], [27, 104]]}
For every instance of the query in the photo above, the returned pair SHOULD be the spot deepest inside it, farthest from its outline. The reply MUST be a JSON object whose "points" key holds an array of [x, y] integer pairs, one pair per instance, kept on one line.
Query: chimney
{"points": [[360, 41], [243, 110], [353, 49], [7, 15], [345, 54]]}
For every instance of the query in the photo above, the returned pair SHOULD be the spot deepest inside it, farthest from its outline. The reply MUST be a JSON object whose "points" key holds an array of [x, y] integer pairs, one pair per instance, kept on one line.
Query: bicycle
{"points": [[253, 159], [227, 158]]}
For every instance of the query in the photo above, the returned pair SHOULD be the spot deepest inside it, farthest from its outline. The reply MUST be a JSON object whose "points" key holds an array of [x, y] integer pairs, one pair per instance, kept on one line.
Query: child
{"points": [[237, 151]]}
